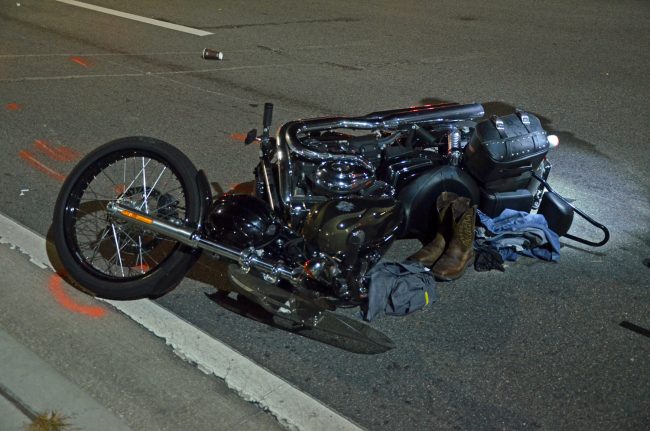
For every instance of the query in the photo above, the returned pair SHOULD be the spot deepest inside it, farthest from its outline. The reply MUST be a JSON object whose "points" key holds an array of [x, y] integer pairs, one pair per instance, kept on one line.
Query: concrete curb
{"points": [[39, 388]]}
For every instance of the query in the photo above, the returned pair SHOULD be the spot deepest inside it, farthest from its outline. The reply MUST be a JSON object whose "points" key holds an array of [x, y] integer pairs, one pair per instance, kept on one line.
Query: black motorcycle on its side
{"points": [[330, 196]]}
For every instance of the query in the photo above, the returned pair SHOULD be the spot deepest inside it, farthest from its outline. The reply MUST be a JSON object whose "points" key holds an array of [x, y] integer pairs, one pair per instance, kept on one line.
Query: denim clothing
{"points": [[517, 232], [399, 288]]}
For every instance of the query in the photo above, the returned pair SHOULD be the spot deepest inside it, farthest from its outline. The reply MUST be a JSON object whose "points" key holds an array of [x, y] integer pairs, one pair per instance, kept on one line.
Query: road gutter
{"points": [[293, 408]]}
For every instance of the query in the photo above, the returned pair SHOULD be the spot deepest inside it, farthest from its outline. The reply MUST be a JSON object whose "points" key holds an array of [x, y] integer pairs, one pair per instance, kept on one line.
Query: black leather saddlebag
{"points": [[493, 204], [503, 151]]}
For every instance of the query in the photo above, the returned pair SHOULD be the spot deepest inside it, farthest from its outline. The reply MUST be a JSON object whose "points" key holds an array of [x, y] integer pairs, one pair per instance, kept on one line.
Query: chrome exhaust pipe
{"points": [[247, 258]]}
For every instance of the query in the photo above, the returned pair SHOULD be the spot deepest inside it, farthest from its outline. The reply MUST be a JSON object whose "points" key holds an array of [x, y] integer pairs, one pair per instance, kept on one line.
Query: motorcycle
{"points": [[330, 197]]}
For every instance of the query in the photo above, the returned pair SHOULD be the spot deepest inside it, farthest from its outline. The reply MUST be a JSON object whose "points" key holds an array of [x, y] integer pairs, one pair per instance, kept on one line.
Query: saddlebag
{"points": [[505, 150], [493, 203]]}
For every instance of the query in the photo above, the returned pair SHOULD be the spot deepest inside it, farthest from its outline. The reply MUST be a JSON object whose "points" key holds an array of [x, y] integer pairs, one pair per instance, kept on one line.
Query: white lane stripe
{"points": [[292, 407], [141, 74], [139, 18]]}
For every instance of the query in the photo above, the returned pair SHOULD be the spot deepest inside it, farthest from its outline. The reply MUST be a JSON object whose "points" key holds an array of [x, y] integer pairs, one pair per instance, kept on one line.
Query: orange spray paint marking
{"points": [[61, 154], [119, 189], [69, 153], [49, 151], [143, 267], [238, 137], [246, 188], [34, 163], [57, 290], [13, 107], [81, 61]]}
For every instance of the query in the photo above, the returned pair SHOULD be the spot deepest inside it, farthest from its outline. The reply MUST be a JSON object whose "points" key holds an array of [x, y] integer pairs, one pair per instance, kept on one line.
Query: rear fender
{"points": [[418, 198]]}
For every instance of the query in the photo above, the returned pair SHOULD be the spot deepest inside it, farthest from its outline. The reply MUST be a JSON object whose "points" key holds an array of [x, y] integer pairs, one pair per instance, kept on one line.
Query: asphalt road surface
{"points": [[539, 346]]}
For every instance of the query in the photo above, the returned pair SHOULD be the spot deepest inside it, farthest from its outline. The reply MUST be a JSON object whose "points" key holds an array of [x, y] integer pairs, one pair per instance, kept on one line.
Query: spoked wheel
{"points": [[115, 259]]}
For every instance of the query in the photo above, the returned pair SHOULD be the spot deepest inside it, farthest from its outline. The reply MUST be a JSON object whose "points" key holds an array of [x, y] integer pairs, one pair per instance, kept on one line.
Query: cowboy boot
{"points": [[430, 252], [460, 250]]}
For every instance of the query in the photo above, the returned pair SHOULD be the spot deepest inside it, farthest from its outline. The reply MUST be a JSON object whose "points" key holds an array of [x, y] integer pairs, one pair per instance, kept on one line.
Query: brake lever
{"points": [[251, 137]]}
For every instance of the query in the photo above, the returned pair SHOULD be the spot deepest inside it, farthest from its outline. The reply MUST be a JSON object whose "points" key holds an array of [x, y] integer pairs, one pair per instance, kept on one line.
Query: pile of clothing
{"points": [[401, 288], [458, 242], [511, 234]]}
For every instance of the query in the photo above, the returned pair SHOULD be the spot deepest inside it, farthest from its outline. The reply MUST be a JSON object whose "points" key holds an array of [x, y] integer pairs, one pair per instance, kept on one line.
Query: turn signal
{"points": [[137, 217], [553, 141]]}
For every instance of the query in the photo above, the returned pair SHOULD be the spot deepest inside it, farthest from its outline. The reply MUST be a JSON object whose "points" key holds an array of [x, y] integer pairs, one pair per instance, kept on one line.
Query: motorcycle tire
{"points": [[113, 259]]}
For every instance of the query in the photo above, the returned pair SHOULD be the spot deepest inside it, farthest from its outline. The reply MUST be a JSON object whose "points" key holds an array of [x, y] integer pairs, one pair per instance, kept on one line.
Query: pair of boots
{"points": [[452, 249]]}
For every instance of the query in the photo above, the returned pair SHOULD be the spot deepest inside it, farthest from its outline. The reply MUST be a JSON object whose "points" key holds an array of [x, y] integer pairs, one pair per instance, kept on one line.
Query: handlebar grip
{"points": [[211, 54], [268, 115]]}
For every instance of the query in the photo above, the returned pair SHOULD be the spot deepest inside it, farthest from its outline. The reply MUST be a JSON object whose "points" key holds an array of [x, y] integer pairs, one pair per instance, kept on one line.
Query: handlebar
{"points": [[268, 116]]}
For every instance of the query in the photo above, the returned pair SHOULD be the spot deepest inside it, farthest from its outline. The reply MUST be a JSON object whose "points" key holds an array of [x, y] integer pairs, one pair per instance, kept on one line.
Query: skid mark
{"points": [[283, 23], [81, 61], [29, 158], [61, 154], [13, 107], [56, 288]]}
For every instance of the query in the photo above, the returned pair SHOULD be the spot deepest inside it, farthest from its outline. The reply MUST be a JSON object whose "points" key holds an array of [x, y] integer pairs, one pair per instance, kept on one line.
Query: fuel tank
{"points": [[329, 225]]}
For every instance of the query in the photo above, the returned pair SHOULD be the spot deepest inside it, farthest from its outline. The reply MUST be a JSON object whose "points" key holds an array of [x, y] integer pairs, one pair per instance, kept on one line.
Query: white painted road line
{"points": [[165, 73], [292, 407], [139, 18]]}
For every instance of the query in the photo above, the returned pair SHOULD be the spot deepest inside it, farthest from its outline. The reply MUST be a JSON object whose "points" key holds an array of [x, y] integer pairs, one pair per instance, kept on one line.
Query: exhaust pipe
{"points": [[247, 258]]}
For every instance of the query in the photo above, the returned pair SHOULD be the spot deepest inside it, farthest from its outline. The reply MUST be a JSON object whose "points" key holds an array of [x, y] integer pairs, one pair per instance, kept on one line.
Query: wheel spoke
{"points": [[99, 243], [136, 176], [119, 249], [152, 188], [144, 187], [140, 261]]}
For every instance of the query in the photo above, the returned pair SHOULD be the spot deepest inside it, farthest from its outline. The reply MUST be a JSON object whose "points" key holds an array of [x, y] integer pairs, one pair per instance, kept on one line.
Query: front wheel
{"points": [[114, 259]]}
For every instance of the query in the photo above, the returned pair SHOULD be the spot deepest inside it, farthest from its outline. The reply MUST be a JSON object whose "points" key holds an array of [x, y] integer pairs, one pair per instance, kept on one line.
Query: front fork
{"points": [[247, 258]]}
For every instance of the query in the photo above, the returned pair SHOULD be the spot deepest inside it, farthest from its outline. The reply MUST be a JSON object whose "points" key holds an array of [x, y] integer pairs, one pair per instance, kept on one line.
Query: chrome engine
{"points": [[336, 184], [360, 157]]}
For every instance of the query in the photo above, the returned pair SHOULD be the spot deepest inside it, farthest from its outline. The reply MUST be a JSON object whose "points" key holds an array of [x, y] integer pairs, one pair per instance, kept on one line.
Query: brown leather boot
{"points": [[430, 252], [460, 250]]}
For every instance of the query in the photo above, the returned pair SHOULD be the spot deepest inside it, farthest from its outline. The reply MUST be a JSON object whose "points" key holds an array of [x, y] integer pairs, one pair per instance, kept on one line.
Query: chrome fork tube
{"points": [[247, 258]]}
